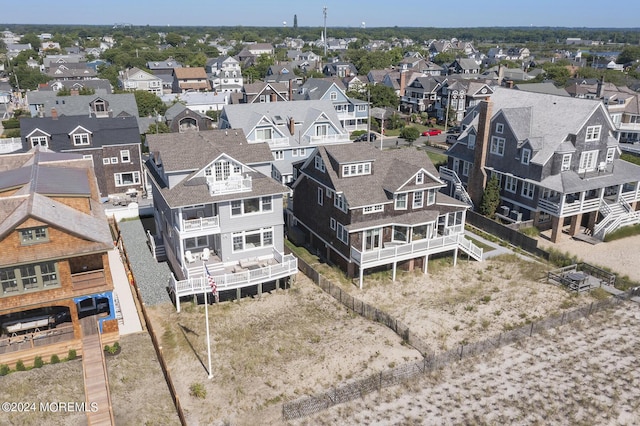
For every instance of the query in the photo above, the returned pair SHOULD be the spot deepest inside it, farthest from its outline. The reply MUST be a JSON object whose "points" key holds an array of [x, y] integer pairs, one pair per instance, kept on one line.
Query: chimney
{"points": [[600, 88], [510, 84], [403, 82], [290, 90], [54, 114], [273, 96], [292, 126], [500, 74], [478, 176]]}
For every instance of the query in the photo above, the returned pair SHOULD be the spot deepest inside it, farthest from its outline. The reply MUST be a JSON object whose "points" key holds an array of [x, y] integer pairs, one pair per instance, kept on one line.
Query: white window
{"points": [[431, 197], [125, 179], [527, 189], [497, 145], [319, 163], [333, 96], [526, 156], [593, 133], [499, 128], [332, 224], [278, 155], [342, 233], [263, 134], [114, 160], [320, 196], [356, 169], [418, 199], [471, 141], [588, 161], [373, 209], [81, 139], [106, 161], [401, 202], [362, 108], [465, 168], [253, 239], [420, 178], [125, 157], [566, 162], [340, 202], [322, 130], [611, 152], [39, 140], [510, 184], [250, 205]]}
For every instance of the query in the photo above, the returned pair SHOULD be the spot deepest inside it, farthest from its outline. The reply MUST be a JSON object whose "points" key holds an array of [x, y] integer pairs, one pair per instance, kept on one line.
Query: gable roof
{"points": [[119, 104]]}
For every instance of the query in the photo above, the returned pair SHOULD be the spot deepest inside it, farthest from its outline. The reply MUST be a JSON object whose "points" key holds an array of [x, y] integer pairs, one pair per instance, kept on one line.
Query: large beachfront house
{"points": [[216, 205], [55, 280], [362, 208], [557, 160]]}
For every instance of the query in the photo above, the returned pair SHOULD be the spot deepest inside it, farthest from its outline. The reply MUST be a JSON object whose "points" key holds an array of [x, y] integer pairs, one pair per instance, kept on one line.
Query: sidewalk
{"points": [[130, 322]]}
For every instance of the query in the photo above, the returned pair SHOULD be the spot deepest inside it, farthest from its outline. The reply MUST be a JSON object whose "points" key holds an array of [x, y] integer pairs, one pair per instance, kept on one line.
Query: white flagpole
{"points": [[206, 314]]}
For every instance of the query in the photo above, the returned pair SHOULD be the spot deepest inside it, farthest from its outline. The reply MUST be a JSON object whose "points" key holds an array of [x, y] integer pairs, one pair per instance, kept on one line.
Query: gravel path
{"points": [[152, 277]]}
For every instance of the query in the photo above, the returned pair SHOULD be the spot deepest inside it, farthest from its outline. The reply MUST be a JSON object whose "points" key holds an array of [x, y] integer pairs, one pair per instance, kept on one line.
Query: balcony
{"points": [[629, 127], [201, 224], [327, 139], [230, 277], [401, 252], [234, 183], [556, 207], [89, 279], [273, 142]]}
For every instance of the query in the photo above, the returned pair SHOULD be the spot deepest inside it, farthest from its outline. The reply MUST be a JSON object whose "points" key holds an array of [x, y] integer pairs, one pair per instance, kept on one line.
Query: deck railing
{"points": [[201, 223]]}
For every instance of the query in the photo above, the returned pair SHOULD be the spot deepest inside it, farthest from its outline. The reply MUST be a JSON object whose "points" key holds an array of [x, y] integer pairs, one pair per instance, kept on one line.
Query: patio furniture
{"points": [[189, 256], [205, 254]]}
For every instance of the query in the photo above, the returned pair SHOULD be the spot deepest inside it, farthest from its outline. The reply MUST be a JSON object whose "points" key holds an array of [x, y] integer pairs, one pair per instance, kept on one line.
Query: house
{"points": [[420, 95], [112, 143], [163, 67], [14, 49], [339, 69], [362, 208], [56, 284], [71, 71], [464, 66], [215, 207], [98, 86], [182, 119], [190, 78], [225, 74], [556, 158], [200, 102], [136, 79], [291, 129], [49, 45], [42, 104], [352, 113], [260, 92]]}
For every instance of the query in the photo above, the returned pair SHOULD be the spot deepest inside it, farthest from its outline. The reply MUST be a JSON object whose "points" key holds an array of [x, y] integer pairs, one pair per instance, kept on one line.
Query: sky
{"points": [[340, 13]]}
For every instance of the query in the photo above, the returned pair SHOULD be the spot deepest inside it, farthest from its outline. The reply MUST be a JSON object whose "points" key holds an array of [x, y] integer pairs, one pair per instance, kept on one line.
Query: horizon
{"points": [[570, 14]]}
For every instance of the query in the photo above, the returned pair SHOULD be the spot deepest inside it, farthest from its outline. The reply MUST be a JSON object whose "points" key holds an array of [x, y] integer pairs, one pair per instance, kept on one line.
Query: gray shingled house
{"points": [[362, 209], [216, 206], [557, 160]]}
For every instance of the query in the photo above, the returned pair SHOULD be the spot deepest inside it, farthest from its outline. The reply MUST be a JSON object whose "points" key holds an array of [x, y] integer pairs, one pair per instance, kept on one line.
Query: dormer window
{"points": [[34, 235], [319, 163], [471, 141], [359, 169], [593, 133], [39, 140], [566, 162], [81, 139], [420, 178], [526, 156]]}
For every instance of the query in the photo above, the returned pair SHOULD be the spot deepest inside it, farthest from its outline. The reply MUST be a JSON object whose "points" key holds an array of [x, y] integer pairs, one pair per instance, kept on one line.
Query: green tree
{"points": [[149, 104], [109, 72], [490, 197], [443, 58], [158, 127], [382, 96], [629, 54], [263, 63], [410, 134], [174, 39], [27, 78], [31, 38]]}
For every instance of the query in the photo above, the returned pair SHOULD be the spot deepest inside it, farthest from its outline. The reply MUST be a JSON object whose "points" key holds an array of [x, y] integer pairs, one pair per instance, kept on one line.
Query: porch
{"points": [[232, 276]]}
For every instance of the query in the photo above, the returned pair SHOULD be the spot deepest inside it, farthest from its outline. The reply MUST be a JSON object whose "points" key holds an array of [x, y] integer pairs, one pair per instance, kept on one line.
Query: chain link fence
{"points": [[431, 361]]}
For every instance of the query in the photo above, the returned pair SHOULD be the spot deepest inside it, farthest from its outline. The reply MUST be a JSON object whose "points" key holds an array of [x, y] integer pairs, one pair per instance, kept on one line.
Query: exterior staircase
{"points": [[156, 245], [459, 192], [615, 215]]}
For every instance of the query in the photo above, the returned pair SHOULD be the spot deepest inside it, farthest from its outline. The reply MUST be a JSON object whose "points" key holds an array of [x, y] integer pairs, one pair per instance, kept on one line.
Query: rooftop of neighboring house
{"points": [[316, 88], [163, 65], [40, 182], [189, 153], [122, 104], [548, 88], [190, 73], [99, 85]]}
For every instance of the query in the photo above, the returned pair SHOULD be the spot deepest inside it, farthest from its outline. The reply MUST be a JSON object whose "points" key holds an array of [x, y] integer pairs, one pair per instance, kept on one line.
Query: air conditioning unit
{"points": [[505, 210], [516, 215]]}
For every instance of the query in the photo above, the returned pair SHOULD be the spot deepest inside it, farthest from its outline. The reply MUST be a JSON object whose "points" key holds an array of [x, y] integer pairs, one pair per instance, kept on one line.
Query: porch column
{"points": [[555, 229], [424, 266], [455, 256], [592, 220], [361, 274], [575, 224], [238, 294], [259, 289], [393, 274]]}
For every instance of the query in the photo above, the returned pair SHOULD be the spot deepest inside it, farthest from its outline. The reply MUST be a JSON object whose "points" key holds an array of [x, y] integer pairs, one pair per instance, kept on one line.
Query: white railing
{"points": [[346, 115], [629, 127], [152, 244], [405, 251], [233, 184], [450, 175], [287, 266], [275, 141], [551, 207], [200, 223], [8, 145], [470, 248], [328, 139], [578, 207]]}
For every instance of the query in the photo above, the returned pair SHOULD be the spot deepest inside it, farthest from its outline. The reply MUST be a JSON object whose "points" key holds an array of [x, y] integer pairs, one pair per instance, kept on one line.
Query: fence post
{"points": [[562, 320], [590, 307], [531, 330], [461, 350]]}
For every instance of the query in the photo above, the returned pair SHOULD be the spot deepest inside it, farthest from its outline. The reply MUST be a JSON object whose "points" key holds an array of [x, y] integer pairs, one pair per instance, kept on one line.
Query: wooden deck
{"points": [[96, 384]]}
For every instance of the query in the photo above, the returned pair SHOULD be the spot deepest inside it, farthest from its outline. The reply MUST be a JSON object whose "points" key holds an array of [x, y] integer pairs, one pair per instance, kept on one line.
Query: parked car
{"points": [[452, 138], [363, 137], [454, 129], [431, 132]]}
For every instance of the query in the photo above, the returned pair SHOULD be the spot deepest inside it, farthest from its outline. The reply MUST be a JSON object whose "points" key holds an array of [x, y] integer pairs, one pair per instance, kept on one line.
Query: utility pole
{"points": [[324, 12]]}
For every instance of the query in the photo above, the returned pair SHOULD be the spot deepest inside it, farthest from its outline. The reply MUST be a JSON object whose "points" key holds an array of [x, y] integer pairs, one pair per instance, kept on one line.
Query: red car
{"points": [[431, 132]]}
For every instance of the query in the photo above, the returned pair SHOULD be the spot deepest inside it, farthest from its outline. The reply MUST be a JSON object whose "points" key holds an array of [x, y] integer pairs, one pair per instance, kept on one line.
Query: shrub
{"points": [[113, 349], [20, 366], [198, 390], [4, 369], [12, 123], [71, 355], [12, 133], [37, 362], [55, 359], [410, 134]]}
